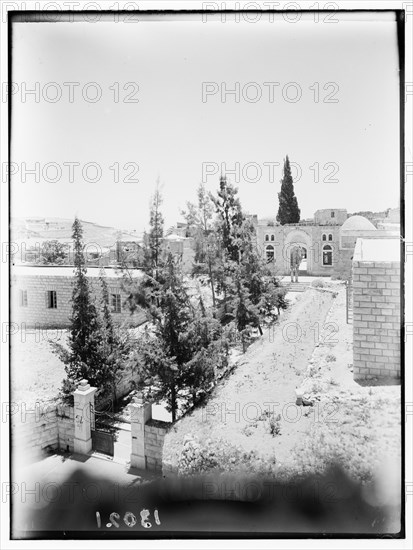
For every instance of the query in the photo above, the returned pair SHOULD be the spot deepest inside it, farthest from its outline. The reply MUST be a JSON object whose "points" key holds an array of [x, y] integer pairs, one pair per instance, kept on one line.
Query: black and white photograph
{"points": [[206, 274]]}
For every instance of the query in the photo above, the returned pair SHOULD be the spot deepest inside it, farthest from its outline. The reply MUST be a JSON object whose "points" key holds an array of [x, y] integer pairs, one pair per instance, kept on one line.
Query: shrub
{"points": [[219, 456], [318, 283], [275, 425]]}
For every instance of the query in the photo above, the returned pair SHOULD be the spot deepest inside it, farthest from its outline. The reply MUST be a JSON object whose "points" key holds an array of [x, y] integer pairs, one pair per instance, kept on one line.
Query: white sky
{"points": [[171, 132]]}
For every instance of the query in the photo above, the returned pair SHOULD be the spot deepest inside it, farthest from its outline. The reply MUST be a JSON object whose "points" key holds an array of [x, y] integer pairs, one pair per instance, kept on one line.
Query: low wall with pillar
{"points": [[41, 427], [53, 426], [147, 436]]}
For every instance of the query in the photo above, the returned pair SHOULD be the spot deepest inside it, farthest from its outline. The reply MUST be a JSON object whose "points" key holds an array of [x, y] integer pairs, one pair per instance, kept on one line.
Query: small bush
{"points": [[220, 456], [318, 283], [275, 425], [248, 430], [330, 358]]}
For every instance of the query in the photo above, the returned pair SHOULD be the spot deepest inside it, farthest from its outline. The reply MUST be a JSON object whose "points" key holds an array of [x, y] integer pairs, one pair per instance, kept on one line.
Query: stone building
{"points": [[328, 241], [41, 295], [130, 252], [319, 242], [182, 248]]}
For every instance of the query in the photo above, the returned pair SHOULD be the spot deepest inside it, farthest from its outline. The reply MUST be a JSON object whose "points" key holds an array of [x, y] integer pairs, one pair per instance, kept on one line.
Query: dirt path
{"points": [[264, 381]]}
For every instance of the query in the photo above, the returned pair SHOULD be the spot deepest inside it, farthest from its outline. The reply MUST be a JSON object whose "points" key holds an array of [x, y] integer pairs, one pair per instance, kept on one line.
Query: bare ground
{"points": [[356, 426], [266, 376], [35, 372]]}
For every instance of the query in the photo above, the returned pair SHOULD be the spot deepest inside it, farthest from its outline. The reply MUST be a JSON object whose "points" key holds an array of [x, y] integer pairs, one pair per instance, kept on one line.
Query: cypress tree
{"points": [[155, 236], [82, 358], [288, 211]]}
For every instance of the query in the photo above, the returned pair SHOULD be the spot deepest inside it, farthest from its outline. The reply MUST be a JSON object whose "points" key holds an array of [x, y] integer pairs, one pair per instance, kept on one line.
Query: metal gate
{"points": [[349, 301], [103, 433]]}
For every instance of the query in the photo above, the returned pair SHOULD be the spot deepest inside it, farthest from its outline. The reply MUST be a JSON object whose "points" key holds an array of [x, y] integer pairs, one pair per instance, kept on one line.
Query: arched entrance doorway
{"points": [[298, 237], [303, 264]]}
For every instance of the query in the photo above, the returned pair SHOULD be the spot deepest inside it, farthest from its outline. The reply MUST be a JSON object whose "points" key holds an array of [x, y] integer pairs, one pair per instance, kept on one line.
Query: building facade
{"points": [[328, 241], [41, 296]]}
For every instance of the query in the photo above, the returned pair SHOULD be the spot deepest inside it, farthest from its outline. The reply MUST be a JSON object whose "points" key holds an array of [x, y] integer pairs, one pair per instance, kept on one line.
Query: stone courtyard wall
{"points": [[41, 427]]}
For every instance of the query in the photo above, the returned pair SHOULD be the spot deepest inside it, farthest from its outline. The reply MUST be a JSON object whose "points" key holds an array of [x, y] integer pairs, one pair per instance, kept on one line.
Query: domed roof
{"points": [[357, 223]]}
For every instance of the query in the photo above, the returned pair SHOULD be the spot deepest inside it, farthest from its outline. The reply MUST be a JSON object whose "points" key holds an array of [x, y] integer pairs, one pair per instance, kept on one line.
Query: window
{"points": [[324, 237], [272, 237], [267, 237], [51, 299], [330, 237], [333, 214], [327, 255], [116, 303], [23, 298], [269, 252]]}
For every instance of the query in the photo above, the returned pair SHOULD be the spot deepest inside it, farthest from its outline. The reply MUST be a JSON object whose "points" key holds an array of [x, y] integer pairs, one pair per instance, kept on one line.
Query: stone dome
{"points": [[357, 223]]}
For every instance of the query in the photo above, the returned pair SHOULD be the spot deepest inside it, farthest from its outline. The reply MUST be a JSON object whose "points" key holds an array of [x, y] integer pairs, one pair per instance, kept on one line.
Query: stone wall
{"points": [[376, 319], [51, 426], [41, 427], [343, 265], [65, 427]]}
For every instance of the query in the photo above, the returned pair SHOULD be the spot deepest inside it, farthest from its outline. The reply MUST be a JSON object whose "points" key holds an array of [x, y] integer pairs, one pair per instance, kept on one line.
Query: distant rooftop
{"points": [[377, 250]]}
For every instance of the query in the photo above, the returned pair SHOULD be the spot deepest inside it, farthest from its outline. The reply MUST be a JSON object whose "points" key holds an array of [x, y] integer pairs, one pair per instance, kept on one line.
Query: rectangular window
{"points": [[23, 298], [116, 303], [51, 299], [333, 214]]}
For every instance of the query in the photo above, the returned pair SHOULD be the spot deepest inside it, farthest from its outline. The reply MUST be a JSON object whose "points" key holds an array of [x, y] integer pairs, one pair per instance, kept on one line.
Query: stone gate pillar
{"points": [[140, 414], [84, 397]]}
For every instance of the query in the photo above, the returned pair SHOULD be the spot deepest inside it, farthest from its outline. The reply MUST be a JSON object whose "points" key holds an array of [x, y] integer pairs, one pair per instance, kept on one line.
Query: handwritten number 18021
{"points": [[129, 519]]}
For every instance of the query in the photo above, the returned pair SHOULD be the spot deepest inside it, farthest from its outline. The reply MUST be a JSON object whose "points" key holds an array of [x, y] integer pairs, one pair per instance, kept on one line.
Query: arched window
{"points": [[272, 237], [324, 237], [330, 237], [267, 237], [327, 255], [269, 253]]}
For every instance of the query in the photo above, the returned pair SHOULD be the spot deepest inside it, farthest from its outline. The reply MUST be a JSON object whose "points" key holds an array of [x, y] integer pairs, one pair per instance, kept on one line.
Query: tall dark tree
{"points": [[199, 219], [176, 356], [230, 218], [155, 235], [114, 346], [82, 358], [54, 253], [288, 211]]}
